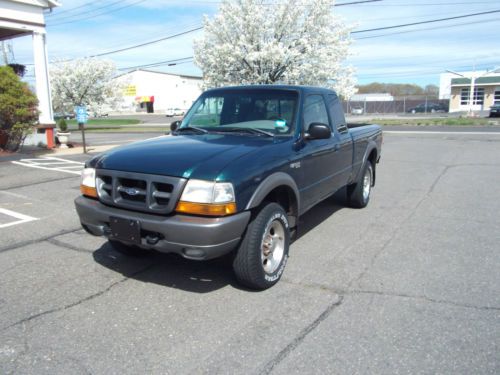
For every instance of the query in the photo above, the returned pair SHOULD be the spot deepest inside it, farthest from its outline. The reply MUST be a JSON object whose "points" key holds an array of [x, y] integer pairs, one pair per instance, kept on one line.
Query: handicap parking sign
{"points": [[81, 114]]}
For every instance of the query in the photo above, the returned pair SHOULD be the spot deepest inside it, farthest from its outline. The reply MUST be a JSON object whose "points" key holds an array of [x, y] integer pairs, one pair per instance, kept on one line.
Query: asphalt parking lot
{"points": [[409, 284]]}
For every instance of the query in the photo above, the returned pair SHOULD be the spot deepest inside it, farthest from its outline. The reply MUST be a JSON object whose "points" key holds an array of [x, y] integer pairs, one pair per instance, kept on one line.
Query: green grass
{"points": [[105, 121], [433, 121]]}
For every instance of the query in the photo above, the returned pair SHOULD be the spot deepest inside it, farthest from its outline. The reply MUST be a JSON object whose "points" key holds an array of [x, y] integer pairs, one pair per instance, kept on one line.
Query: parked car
{"points": [[64, 115], [101, 114], [235, 176], [429, 108], [174, 112], [495, 110], [357, 110]]}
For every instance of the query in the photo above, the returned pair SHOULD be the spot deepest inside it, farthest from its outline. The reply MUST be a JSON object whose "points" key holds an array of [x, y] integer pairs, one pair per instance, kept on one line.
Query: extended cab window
{"points": [[315, 111], [337, 113], [269, 110]]}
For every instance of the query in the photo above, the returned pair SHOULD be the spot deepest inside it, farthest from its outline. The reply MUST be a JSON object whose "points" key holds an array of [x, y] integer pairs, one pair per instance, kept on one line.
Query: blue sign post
{"points": [[82, 117]]}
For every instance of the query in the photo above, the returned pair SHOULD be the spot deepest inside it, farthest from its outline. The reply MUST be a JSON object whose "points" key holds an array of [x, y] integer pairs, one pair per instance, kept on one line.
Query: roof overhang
{"points": [[23, 17], [483, 81], [46, 4]]}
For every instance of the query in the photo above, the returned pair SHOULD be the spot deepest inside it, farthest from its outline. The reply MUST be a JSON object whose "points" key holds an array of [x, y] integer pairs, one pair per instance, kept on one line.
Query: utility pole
{"points": [[472, 85], [4, 53]]}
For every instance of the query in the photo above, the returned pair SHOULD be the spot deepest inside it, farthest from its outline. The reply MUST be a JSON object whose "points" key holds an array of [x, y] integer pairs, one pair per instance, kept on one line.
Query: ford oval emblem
{"points": [[131, 191]]}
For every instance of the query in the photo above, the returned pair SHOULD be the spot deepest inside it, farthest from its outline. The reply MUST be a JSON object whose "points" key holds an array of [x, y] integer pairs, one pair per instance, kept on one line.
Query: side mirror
{"points": [[318, 131], [175, 125]]}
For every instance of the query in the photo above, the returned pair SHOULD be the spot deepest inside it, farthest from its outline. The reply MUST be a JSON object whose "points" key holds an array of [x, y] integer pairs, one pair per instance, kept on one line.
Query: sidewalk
{"points": [[78, 150], [34, 151]]}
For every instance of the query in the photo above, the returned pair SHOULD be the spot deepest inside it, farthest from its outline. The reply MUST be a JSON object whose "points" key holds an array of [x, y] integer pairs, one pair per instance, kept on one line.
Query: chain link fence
{"points": [[398, 105]]}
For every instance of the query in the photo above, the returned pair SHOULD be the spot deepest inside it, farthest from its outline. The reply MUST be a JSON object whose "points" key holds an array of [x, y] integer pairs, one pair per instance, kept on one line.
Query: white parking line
{"points": [[59, 165], [22, 218]]}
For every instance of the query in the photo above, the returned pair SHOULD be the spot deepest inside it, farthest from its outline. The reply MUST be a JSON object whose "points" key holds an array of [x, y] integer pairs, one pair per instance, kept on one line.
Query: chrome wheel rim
{"points": [[367, 184], [273, 246]]}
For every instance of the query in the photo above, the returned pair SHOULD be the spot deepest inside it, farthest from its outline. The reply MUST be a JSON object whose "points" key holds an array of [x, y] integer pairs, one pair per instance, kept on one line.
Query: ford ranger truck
{"points": [[233, 176]]}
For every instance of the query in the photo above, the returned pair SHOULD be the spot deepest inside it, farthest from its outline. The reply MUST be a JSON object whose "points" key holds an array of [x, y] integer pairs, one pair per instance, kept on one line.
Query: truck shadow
{"points": [[318, 214], [173, 271], [169, 270]]}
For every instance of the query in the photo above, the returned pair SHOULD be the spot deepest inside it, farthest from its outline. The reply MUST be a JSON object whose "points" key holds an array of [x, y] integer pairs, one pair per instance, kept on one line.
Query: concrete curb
{"points": [[79, 150]]}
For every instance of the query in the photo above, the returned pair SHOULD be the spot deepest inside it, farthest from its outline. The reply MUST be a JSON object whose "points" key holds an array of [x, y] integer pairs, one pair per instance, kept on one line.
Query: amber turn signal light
{"points": [[206, 209], [88, 191]]}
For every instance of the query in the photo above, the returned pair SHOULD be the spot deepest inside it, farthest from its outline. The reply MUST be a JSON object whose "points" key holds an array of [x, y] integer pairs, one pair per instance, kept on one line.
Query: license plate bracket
{"points": [[127, 230]]}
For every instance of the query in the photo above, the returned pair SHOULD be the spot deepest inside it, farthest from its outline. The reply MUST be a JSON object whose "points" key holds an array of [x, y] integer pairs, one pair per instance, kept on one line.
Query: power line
{"points": [[70, 9], [426, 22], [427, 29], [99, 14], [90, 10], [436, 4], [148, 43], [182, 60], [356, 3]]}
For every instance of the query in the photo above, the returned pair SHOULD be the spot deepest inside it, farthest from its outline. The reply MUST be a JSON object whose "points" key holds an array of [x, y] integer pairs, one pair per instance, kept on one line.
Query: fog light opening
{"points": [[194, 253]]}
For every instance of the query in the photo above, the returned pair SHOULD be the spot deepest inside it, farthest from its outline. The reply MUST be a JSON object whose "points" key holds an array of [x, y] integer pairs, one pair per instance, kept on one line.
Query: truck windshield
{"points": [[272, 111]]}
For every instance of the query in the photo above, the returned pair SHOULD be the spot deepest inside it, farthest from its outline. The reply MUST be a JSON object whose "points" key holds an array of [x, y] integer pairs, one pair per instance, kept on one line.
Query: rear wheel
{"points": [[262, 255], [358, 194]]}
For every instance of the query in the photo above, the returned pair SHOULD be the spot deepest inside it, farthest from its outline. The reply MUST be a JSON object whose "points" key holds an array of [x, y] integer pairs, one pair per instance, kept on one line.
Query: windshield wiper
{"points": [[193, 129], [249, 130]]}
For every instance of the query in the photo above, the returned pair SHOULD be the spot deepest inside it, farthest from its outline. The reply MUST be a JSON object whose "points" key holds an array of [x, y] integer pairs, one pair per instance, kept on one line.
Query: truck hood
{"points": [[188, 156]]}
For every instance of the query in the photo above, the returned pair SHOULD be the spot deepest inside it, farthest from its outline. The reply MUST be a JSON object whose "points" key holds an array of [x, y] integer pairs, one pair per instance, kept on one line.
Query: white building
{"points": [[25, 17], [457, 88], [155, 92]]}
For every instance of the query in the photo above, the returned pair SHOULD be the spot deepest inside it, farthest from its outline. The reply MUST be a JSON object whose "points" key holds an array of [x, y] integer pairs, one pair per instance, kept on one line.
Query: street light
{"points": [[472, 84]]}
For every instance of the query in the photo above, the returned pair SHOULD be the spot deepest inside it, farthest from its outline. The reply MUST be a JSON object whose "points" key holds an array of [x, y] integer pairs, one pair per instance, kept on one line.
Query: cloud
{"points": [[418, 56]]}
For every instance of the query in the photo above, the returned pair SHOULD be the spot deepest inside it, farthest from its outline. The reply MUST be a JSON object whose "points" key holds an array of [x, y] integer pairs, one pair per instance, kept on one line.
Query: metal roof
{"points": [[491, 80]]}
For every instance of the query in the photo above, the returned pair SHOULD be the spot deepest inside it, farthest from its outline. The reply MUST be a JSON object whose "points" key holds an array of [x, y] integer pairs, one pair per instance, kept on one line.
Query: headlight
{"points": [[87, 183], [207, 198]]}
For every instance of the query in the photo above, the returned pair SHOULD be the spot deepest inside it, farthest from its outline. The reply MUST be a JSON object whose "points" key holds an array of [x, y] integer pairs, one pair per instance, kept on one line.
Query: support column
{"points": [[46, 117]]}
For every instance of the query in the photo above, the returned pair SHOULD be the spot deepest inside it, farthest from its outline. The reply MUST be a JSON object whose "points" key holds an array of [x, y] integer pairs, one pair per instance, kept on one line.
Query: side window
{"points": [[315, 111], [336, 112]]}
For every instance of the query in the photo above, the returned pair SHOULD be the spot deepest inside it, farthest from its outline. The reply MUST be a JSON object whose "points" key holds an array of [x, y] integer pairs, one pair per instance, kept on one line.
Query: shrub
{"points": [[18, 110], [62, 125]]}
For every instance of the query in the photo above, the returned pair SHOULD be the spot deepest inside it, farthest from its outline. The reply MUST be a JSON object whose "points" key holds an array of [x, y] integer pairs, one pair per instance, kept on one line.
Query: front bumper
{"points": [[192, 237]]}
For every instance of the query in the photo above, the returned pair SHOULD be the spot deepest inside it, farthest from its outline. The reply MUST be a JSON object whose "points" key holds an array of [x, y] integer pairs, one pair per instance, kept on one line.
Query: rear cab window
{"points": [[337, 113]]}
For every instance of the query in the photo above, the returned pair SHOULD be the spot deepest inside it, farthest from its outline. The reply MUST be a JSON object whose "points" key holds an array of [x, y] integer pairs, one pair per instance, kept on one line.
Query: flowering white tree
{"points": [[263, 42], [85, 82]]}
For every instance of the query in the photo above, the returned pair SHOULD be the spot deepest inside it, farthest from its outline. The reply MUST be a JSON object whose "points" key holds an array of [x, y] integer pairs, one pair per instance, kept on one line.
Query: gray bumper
{"points": [[192, 237]]}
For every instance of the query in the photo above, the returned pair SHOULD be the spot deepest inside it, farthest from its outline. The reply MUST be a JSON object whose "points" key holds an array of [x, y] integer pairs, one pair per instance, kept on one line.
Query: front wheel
{"points": [[262, 255], [358, 195]]}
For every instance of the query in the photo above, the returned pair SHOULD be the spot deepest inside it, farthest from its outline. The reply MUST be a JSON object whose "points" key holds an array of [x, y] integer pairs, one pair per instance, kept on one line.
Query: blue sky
{"points": [[416, 54]]}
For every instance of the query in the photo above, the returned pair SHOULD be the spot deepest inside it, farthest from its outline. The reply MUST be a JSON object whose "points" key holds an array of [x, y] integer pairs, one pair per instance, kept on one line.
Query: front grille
{"points": [[139, 191]]}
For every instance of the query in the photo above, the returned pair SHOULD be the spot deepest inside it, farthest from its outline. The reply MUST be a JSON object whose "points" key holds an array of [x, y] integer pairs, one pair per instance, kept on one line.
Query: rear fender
{"points": [[370, 147]]}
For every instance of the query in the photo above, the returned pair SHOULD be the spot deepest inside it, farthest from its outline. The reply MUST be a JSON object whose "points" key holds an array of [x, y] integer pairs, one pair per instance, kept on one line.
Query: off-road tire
{"points": [[357, 194], [267, 233]]}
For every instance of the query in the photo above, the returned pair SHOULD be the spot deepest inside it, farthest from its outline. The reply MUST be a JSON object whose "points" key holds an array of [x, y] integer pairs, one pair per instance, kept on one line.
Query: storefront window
{"points": [[496, 99], [478, 96]]}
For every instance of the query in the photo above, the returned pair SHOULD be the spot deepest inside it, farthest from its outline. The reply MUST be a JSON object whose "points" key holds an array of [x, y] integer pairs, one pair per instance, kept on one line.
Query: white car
{"points": [[357, 110], [174, 112]]}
